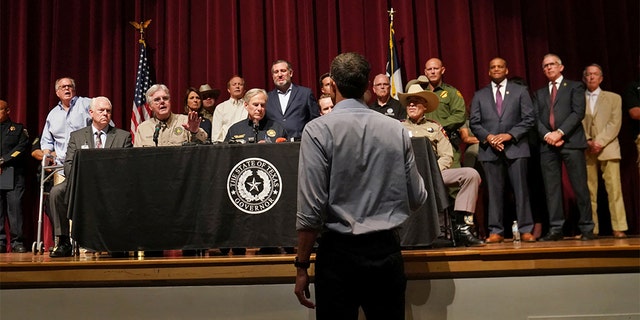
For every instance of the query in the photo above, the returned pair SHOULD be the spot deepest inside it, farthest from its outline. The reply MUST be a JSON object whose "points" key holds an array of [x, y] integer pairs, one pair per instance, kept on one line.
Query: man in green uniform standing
{"points": [[451, 112]]}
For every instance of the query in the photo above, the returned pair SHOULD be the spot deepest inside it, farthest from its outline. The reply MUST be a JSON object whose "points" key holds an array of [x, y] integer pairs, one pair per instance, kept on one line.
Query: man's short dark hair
{"points": [[324, 75], [350, 72]]}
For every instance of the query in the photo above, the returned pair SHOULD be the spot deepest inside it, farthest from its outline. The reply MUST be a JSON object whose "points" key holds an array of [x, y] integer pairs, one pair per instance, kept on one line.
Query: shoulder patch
{"points": [[436, 123], [459, 93]]}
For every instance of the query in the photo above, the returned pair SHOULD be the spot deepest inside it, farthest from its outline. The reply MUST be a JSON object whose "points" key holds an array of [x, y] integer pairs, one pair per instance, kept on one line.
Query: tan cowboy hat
{"points": [[415, 90], [421, 80], [206, 91]]}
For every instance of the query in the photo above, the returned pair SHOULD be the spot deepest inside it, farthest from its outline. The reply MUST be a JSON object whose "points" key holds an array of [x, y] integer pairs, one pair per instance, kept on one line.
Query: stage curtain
{"points": [[192, 42]]}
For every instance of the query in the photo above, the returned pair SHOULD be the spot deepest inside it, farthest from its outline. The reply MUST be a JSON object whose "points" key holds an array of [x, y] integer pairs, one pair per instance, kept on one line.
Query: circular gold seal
{"points": [[271, 133]]}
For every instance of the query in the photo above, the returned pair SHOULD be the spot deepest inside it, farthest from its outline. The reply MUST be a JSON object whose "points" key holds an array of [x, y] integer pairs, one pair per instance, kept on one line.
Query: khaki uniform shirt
{"points": [[172, 133], [439, 141]]}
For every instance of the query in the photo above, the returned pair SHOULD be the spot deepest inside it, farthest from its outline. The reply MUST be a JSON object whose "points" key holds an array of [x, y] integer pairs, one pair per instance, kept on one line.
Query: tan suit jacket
{"points": [[603, 125]]}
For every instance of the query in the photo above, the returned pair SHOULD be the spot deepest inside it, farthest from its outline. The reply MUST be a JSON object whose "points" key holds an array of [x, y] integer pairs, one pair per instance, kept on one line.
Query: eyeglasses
{"points": [[159, 99], [66, 86], [381, 85], [549, 65]]}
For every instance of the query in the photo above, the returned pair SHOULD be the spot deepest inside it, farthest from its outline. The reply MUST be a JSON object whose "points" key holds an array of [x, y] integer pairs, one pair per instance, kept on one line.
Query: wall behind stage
{"points": [[191, 42]]}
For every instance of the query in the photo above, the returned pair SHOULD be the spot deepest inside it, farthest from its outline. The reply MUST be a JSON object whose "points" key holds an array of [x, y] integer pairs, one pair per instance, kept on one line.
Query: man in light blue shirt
{"points": [[70, 114]]}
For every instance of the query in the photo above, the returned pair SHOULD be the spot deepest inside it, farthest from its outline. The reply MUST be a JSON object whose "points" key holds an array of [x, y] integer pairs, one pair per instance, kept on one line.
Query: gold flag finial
{"points": [[140, 26]]}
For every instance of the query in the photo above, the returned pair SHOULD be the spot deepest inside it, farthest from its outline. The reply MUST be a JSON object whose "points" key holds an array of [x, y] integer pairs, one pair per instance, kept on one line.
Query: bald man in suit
{"points": [[100, 134], [501, 116], [562, 140]]}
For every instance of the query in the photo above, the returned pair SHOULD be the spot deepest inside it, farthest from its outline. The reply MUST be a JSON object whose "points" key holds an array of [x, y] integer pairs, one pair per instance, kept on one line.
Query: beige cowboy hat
{"points": [[206, 91], [415, 90], [421, 80]]}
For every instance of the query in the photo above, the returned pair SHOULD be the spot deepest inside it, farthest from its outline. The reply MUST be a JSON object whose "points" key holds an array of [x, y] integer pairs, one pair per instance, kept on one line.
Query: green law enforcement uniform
{"points": [[451, 114]]}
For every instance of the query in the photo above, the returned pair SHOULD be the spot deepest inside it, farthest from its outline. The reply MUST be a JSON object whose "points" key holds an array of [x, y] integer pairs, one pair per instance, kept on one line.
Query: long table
{"points": [[207, 196]]}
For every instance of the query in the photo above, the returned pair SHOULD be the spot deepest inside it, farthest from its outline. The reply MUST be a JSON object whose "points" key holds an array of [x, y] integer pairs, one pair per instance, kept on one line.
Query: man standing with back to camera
{"points": [[349, 192]]}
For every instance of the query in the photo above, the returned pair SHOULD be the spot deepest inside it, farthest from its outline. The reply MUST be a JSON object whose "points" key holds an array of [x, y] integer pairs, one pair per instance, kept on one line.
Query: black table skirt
{"points": [[177, 197]]}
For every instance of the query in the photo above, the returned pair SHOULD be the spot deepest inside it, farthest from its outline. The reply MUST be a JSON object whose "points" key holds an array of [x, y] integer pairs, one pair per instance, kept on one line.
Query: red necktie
{"points": [[554, 92], [498, 99]]}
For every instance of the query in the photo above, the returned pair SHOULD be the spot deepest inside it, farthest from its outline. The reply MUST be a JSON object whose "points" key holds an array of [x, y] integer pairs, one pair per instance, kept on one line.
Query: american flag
{"points": [[141, 110]]}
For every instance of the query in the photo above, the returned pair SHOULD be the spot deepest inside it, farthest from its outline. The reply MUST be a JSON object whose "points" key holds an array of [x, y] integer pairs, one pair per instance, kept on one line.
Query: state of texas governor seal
{"points": [[254, 185]]}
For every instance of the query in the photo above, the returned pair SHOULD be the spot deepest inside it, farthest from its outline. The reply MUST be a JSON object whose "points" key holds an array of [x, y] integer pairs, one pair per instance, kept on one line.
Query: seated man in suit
{"points": [[290, 105], [418, 102], [98, 135], [256, 128]]}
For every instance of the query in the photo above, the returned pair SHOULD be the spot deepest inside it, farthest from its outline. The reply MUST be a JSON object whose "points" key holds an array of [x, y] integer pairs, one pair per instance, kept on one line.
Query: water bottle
{"points": [[516, 232]]}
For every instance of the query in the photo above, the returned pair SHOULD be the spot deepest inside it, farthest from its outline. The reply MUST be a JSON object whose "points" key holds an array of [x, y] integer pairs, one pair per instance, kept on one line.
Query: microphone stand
{"points": [[256, 127], [156, 133]]}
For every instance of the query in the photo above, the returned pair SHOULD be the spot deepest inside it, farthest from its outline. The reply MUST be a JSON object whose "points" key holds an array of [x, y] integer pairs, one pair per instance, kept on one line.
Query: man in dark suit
{"points": [[501, 116], [290, 105], [98, 135], [560, 107]]}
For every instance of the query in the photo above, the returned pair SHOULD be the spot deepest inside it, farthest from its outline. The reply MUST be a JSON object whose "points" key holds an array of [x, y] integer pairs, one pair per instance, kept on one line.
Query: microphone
{"points": [[256, 128], [156, 133]]}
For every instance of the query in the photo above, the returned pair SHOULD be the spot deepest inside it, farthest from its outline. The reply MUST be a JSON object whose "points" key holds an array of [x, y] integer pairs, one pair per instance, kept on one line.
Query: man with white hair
{"points": [[100, 134], [166, 128]]}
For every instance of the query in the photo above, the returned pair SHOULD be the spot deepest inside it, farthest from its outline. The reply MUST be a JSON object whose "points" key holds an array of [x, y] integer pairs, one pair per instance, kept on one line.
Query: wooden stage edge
{"points": [[567, 257]]}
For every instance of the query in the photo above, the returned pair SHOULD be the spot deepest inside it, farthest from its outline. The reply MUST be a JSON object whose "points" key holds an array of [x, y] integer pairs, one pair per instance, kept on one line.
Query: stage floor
{"points": [[566, 257]]}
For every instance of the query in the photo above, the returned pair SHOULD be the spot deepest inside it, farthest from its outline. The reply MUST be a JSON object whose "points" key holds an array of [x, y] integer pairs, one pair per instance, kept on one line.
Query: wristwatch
{"points": [[303, 265]]}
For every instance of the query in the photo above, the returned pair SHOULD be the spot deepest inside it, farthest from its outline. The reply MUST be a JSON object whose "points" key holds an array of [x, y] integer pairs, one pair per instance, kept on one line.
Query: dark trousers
{"points": [[58, 204], [516, 170], [11, 208], [576, 165], [359, 271]]}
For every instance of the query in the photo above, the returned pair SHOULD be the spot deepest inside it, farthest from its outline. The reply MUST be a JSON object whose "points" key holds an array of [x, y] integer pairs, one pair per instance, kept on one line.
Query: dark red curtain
{"points": [[192, 42]]}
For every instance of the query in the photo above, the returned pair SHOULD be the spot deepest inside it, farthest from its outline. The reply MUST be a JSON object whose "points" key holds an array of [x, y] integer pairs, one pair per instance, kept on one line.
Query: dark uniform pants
{"points": [[11, 207]]}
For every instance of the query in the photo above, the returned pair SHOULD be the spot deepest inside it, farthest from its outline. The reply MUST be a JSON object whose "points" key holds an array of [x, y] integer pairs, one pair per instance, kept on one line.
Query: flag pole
{"points": [[141, 110], [393, 67]]}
